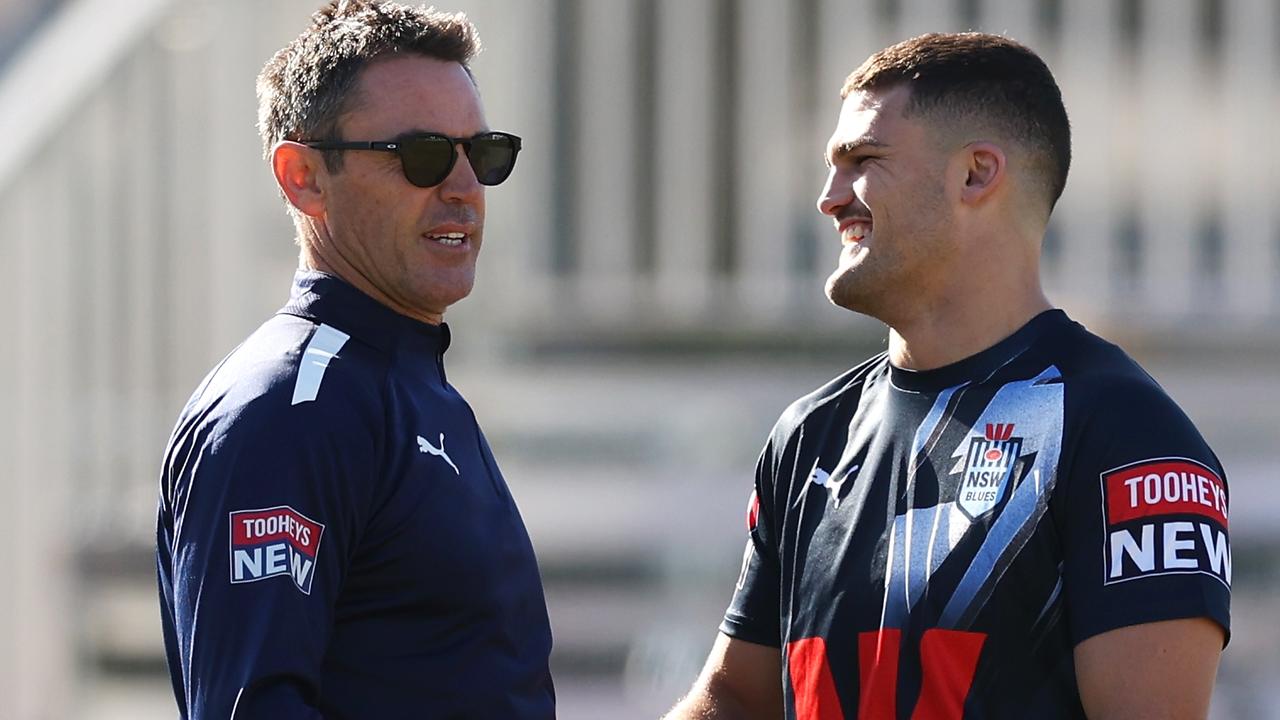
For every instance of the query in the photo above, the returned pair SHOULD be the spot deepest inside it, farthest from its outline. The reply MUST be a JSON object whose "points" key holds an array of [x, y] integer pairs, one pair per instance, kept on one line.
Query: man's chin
{"points": [[841, 290], [452, 299], [442, 295]]}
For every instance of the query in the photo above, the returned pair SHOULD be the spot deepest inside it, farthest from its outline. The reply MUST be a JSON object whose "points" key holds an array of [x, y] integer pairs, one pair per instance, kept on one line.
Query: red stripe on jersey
{"points": [[811, 682], [948, 660], [878, 673]]}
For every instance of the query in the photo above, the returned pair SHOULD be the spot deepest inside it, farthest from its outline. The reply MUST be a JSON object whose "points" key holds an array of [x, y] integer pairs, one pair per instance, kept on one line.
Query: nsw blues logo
{"points": [[988, 467], [271, 542]]}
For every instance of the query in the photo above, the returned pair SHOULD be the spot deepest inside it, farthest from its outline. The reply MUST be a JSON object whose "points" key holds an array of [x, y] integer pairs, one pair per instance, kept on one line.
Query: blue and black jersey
{"points": [[335, 539], [935, 544]]}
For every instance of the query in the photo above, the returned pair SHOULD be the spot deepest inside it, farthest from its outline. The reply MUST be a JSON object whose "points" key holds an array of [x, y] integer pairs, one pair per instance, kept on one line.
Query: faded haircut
{"points": [[984, 80]]}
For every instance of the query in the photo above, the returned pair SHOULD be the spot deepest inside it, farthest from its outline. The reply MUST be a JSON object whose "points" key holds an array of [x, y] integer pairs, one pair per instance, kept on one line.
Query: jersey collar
{"points": [[976, 368], [325, 298]]}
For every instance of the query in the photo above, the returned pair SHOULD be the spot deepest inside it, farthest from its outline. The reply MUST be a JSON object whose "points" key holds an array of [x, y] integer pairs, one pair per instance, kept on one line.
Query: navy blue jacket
{"points": [[334, 537]]}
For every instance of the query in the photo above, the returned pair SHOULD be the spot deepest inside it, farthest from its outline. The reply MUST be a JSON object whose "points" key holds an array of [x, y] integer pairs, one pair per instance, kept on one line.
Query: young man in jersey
{"points": [[335, 539], [1003, 516]]}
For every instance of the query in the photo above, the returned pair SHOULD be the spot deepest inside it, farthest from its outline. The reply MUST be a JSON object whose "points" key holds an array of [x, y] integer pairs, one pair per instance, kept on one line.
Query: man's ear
{"points": [[986, 168], [298, 171]]}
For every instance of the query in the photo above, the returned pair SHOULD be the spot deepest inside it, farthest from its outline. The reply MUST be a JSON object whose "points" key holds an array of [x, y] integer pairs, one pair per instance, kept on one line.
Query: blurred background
{"points": [[650, 296]]}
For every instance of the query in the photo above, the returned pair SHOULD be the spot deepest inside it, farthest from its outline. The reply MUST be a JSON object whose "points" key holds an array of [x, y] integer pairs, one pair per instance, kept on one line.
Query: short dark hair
{"points": [[989, 78], [305, 88]]}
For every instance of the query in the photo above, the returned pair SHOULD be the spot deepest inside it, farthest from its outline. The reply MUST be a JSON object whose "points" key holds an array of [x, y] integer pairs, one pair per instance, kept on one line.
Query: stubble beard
{"points": [[846, 290], [890, 275], [887, 281]]}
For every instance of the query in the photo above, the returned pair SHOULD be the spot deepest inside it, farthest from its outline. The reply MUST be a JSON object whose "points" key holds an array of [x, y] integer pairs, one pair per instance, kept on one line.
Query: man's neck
{"points": [[957, 330], [343, 270]]}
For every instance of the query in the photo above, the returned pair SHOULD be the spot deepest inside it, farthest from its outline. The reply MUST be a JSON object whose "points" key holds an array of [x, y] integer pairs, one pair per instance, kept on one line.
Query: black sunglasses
{"points": [[428, 159]]}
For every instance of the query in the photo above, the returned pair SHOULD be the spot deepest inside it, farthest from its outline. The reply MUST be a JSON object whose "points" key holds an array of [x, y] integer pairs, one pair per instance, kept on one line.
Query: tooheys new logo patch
{"points": [[1165, 516], [989, 463], [274, 541]]}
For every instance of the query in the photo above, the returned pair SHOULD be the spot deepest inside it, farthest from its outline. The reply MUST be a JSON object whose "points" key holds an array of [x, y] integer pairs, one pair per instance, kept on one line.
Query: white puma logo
{"points": [[426, 447], [823, 478]]}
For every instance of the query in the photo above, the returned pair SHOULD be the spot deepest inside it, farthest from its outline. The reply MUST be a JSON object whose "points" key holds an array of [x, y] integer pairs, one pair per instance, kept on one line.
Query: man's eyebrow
{"points": [[850, 147]]}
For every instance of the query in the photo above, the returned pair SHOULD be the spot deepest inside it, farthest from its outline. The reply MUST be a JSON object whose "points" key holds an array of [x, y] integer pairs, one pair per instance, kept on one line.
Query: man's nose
{"points": [[836, 193], [461, 184]]}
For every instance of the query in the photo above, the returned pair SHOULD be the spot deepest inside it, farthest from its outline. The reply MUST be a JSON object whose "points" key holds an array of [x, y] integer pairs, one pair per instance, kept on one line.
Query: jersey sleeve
{"points": [[753, 614], [263, 506], [1145, 528]]}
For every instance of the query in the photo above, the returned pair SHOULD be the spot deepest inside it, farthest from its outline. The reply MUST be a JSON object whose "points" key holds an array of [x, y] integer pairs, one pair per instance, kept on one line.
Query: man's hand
{"points": [[1154, 671], [741, 681]]}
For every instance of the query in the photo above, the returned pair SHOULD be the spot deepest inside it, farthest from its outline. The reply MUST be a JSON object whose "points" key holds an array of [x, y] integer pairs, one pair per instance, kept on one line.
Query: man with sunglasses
{"points": [[334, 536], [1001, 517]]}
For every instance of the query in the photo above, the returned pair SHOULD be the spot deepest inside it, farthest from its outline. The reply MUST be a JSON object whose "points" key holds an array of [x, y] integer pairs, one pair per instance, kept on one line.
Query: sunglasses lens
{"points": [[427, 160], [493, 157]]}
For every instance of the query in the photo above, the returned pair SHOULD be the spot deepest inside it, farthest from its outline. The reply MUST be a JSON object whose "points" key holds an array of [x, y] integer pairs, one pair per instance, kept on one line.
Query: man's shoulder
{"points": [[1111, 396], [291, 371], [848, 385], [1098, 370]]}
